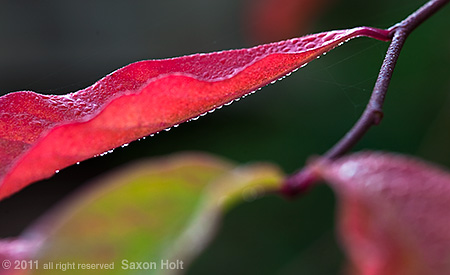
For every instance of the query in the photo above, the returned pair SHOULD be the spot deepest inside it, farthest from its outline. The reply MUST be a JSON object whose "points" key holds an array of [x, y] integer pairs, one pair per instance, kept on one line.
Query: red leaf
{"points": [[272, 20], [44, 133], [394, 213]]}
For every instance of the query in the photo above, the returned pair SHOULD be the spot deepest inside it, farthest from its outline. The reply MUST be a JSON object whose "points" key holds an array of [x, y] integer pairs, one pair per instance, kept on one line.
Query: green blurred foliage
{"points": [[162, 210], [61, 46]]}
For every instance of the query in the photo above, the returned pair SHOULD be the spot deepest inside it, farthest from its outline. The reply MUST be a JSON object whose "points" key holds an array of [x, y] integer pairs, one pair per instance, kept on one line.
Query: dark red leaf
{"points": [[44, 133], [273, 20], [394, 213]]}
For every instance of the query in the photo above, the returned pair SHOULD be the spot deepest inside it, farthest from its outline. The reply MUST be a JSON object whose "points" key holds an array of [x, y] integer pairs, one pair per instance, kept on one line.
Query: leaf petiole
{"points": [[373, 112]]}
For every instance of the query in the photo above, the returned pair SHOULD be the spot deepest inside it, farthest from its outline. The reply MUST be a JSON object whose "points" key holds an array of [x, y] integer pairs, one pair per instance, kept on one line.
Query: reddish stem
{"points": [[373, 113]]}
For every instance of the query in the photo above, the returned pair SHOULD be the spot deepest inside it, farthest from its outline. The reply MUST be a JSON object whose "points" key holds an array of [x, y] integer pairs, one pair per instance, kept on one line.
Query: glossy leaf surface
{"points": [[41, 134]]}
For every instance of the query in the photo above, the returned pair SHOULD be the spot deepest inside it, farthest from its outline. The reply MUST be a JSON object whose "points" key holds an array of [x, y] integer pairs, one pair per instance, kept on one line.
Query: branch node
{"points": [[299, 183], [373, 114], [377, 116]]}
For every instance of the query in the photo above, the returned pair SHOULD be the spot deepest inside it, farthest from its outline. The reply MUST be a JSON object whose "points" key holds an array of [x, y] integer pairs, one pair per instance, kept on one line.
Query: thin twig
{"points": [[373, 113]]}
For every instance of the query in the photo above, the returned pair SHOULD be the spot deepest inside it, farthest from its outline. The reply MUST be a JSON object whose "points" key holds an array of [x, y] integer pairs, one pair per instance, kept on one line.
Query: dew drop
{"points": [[56, 171], [125, 145], [78, 163], [167, 129]]}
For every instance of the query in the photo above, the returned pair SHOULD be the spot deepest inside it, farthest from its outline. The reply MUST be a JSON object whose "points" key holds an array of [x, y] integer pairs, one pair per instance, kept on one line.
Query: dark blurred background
{"points": [[62, 46]]}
